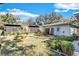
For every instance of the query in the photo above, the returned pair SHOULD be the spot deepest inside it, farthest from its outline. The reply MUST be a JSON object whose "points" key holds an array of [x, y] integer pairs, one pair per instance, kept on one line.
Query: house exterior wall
{"points": [[77, 30], [63, 30], [33, 29], [9, 29]]}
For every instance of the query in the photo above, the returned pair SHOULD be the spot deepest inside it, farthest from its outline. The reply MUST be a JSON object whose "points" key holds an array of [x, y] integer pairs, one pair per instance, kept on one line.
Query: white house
{"points": [[59, 29]]}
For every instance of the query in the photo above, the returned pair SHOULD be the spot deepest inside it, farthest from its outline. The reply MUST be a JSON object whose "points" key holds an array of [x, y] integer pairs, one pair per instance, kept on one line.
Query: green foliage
{"points": [[49, 18], [8, 47], [67, 47], [62, 45], [76, 23], [67, 38], [9, 18], [53, 44], [2, 27], [75, 36]]}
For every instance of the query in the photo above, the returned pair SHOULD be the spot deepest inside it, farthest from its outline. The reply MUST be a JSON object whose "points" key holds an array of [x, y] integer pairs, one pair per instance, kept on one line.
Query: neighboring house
{"points": [[33, 28], [11, 28], [59, 29]]}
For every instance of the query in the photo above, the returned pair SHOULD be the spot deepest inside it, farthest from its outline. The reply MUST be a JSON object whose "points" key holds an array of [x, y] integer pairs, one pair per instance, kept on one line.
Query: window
{"points": [[63, 31], [78, 44], [58, 29]]}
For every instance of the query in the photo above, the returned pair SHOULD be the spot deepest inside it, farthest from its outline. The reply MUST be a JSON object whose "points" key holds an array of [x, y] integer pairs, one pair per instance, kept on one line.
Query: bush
{"points": [[67, 38], [67, 47], [75, 36], [10, 48], [63, 46], [54, 44], [2, 27]]}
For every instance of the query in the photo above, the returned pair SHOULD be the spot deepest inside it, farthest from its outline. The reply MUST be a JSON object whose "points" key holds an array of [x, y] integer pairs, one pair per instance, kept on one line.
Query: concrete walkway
{"points": [[76, 46], [76, 54]]}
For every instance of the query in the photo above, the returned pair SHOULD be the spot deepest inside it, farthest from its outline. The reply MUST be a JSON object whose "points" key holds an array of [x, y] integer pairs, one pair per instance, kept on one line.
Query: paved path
{"points": [[76, 54]]}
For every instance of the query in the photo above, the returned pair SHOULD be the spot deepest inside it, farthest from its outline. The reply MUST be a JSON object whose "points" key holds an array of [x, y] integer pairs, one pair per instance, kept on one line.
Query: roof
{"points": [[12, 25], [33, 26], [59, 23], [73, 23]]}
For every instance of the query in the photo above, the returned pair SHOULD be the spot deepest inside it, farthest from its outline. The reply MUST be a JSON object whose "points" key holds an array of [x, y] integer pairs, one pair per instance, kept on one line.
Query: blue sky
{"points": [[35, 9]]}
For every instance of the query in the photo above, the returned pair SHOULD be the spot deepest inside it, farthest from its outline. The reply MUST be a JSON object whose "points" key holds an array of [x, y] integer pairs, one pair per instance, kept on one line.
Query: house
{"points": [[76, 16], [31, 28], [62, 28], [11, 28]]}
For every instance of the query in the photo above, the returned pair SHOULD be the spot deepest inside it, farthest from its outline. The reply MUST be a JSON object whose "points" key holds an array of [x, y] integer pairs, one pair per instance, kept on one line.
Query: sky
{"points": [[26, 10]]}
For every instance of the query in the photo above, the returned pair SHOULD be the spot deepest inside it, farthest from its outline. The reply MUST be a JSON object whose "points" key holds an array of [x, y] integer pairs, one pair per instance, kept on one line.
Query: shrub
{"points": [[10, 48], [75, 36], [63, 46], [54, 44], [67, 47], [2, 27], [67, 38]]}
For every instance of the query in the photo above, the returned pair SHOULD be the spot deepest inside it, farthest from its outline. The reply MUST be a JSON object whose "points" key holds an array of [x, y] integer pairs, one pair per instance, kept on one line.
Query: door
{"points": [[47, 30], [52, 31]]}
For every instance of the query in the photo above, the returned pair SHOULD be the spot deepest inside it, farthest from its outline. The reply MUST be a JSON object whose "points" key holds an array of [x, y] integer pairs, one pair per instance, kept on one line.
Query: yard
{"points": [[37, 42], [30, 44]]}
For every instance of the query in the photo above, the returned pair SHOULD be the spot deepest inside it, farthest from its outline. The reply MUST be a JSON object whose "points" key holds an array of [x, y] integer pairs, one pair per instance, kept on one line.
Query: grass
{"points": [[30, 45], [40, 46]]}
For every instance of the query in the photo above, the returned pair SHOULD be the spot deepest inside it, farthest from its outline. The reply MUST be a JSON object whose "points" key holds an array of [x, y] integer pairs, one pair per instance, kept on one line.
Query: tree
{"points": [[9, 18], [30, 22], [76, 16], [54, 17], [49, 18], [43, 19]]}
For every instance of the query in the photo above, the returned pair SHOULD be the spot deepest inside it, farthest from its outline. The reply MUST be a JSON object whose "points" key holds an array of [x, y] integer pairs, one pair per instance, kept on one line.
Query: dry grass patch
{"points": [[31, 45], [40, 46]]}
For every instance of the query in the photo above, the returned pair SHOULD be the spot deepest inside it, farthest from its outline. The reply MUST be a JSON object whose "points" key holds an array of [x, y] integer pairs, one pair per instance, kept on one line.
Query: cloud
{"points": [[57, 10], [14, 10], [70, 6], [76, 13], [20, 12]]}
